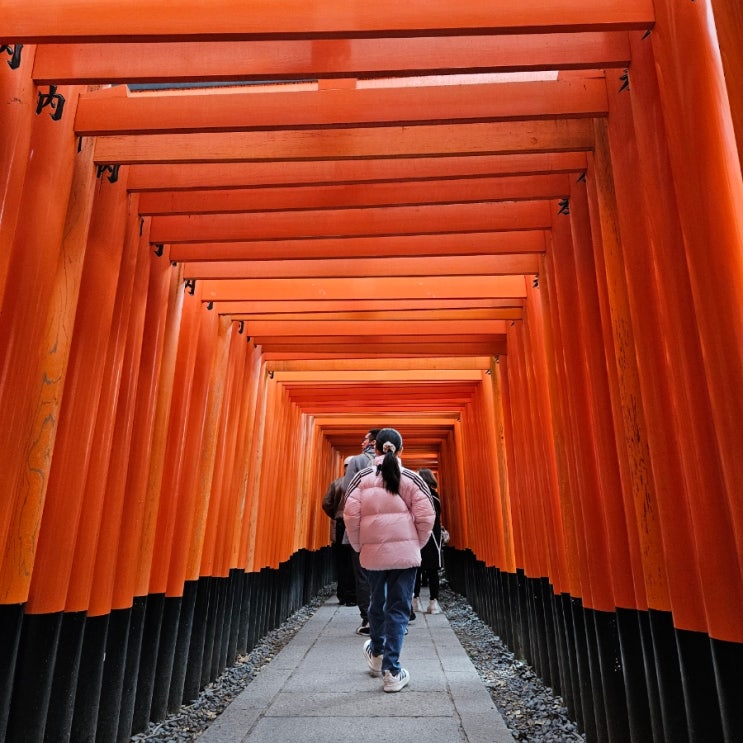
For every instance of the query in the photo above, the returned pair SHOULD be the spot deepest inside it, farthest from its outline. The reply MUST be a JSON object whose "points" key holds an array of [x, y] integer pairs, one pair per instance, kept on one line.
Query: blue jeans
{"points": [[389, 612]]}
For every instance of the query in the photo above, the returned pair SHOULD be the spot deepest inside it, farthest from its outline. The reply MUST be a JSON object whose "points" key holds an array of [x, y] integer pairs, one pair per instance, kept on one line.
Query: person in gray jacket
{"points": [[358, 463], [332, 504]]}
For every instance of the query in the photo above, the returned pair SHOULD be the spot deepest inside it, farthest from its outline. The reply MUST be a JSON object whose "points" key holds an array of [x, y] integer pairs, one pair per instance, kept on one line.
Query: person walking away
{"points": [[358, 463], [389, 515], [332, 504], [430, 553]]}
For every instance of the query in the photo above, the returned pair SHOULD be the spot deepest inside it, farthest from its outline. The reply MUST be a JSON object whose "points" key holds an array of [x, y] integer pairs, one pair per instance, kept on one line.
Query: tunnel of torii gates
{"points": [[237, 235]]}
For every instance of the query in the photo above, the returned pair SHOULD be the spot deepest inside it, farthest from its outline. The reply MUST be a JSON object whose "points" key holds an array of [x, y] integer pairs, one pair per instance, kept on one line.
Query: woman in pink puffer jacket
{"points": [[388, 514]]}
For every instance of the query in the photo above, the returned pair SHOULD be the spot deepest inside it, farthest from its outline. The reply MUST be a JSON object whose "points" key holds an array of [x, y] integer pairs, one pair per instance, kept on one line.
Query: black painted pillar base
{"points": [[37, 652], [114, 667], [66, 673], [88, 694], [11, 621], [131, 672], [155, 604]]}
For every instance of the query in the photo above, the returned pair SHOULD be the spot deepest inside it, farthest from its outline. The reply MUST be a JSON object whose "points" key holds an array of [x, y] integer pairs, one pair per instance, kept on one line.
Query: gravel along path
{"points": [[531, 710]]}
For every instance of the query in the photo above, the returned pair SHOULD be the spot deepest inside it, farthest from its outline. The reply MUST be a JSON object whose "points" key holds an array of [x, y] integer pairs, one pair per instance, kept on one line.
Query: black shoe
{"points": [[350, 603], [363, 628], [412, 616]]}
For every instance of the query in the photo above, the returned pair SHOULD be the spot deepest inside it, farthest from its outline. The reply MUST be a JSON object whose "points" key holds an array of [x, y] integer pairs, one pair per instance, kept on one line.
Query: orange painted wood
{"points": [[159, 412], [470, 243], [112, 524], [28, 404], [250, 307], [175, 502], [512, 313], [591, 492], [496, 265], [328, 376], [255, 373], [469, 190], [65, 20], [407, 220], [389, 336], [678, 395], [206, 460], [248, 109], [266, 412], [358, 349], [75, 442], [379, 367], [17, 101], [506, 137], [161, 293], [728, 15], [189, 519], [194, 175], [392, 288], [133, 62], [232, 354], [371, 328], [122, 227], [629, 414], [703, 154]]}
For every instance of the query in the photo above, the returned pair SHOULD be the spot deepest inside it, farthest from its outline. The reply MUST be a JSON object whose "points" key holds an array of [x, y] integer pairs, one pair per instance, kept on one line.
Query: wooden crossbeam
{"points": [[406, 192], [39, 21], [474, 243], [249, 307], [493, 265], [358, 288], [427, 219], [202, 175], [101, 114], [417, 330], [500, 137], [160, 62]]}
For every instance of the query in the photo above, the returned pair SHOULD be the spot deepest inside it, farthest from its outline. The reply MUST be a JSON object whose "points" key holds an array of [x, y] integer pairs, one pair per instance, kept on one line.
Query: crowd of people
{"points": [[386, 537]]}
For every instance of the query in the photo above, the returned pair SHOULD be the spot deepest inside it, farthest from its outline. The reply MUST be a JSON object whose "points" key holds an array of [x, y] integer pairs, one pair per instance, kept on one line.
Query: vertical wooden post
{"points": [[729, 30], [704, 160], [18, 99], [34, 262]]}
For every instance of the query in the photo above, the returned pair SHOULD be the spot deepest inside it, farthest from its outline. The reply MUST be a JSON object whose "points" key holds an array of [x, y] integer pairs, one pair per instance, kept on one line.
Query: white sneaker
{"points": [[395, 683], [433, 607], [416, 604], [374, 661]]}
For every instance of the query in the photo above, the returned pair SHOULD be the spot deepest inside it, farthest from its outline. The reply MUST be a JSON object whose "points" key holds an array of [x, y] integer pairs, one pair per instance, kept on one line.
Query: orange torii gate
{"points": [[208, 291]]}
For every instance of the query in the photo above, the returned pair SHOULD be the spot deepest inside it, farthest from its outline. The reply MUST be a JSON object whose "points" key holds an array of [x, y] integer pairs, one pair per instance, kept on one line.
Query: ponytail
{"points": [[389, 443]]}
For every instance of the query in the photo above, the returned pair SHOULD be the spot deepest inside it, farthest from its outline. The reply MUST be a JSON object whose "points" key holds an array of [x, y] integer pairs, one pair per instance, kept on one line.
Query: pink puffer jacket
{"points": [[388, 530]]}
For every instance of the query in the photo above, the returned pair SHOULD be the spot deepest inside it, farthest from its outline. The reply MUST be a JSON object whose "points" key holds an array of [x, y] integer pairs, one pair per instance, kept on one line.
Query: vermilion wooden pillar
{"points": [[709, 194], [18, 100], [155, 608], [729, 31], [258, 439], [75, 440], [59, 535], [34, 265], [507, 562], [112, 526], [163, 291], [122, 228], [251, 386]]}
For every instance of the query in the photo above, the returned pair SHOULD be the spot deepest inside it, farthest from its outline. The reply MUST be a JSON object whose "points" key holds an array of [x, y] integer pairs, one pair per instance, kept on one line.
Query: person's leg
{"points": [[346, 577], [378, 588], [433, 584], [400, 584], [416, 593], [362, 586]]}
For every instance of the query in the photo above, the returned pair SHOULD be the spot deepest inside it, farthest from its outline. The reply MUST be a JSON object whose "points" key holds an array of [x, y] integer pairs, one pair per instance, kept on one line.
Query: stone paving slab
{"points": [[318, 689]]}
